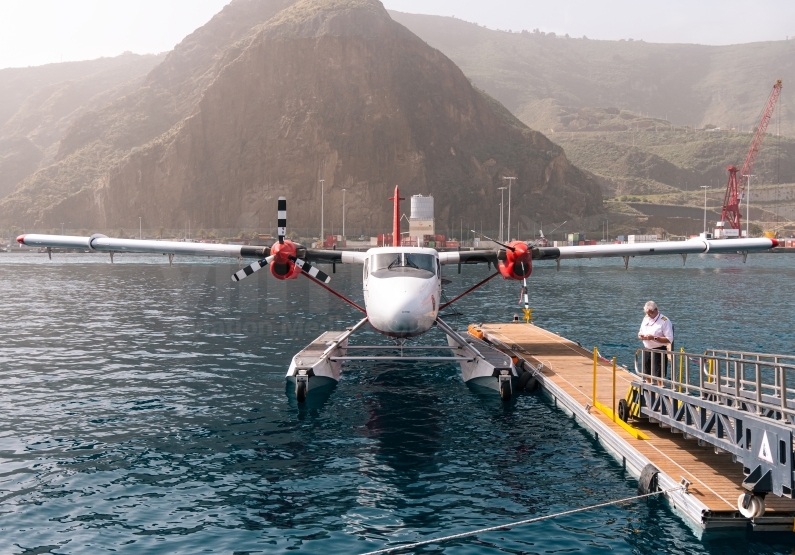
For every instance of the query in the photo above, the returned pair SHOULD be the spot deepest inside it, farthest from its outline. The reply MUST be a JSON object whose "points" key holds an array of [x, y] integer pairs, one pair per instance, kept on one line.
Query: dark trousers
{"points": [[656, 364]]}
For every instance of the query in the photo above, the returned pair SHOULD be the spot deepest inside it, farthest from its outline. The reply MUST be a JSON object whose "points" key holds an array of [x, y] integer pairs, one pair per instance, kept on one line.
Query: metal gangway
{"points": [[742, 403]]}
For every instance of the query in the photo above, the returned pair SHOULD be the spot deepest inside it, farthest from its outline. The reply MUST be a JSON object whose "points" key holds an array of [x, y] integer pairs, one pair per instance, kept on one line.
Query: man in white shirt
{"points": [[656, 332]]}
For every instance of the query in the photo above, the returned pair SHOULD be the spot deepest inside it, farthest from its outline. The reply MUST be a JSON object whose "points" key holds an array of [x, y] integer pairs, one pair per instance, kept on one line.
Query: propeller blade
{"points": [[281, 219], [251, 268], [312, 271]]}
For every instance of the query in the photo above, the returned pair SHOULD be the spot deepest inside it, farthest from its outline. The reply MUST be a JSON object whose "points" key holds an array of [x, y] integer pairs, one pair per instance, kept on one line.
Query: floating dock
{"points": [[714, 480]]}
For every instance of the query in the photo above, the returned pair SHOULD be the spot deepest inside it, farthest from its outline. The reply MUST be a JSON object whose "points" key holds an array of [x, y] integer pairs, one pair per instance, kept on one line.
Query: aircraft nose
{"points": [[396, 315], [403, 323]]}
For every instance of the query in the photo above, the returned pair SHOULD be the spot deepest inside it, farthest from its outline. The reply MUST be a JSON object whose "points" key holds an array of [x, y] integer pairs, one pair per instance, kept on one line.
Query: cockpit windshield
{"points": [[398, 261]]}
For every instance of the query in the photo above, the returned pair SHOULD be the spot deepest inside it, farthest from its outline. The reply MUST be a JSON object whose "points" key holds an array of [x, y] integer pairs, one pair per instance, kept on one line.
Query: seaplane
{"points": [[402, 289]]}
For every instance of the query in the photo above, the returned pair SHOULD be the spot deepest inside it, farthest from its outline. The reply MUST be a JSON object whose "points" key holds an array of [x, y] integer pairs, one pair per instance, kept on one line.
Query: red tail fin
{"points": [[396, 218]]}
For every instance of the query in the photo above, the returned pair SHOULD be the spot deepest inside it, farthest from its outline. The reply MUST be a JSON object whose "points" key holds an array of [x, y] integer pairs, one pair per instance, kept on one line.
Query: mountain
{"points": [[651, 122], [271, 96], [39, 104], [686, 84]]}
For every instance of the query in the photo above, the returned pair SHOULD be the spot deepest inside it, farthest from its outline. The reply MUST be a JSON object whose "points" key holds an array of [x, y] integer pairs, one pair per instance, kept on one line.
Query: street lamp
{"points": [[510, 180], [502, 203], [343, 214], [499, 235], [322, 192], [140, 235], [705, 187]]}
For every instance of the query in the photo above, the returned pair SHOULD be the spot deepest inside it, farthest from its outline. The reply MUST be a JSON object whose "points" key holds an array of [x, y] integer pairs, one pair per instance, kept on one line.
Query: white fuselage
{"points": [[402, 288]]}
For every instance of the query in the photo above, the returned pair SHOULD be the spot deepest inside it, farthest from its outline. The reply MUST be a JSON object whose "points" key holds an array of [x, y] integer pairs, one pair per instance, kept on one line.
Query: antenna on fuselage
{"points": [[493, 240]]}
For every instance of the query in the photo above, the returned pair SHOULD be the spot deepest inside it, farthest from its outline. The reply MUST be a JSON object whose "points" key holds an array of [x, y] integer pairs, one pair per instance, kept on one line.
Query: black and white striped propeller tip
{"points": [[312, 271], [281, 219], [251, 268]]}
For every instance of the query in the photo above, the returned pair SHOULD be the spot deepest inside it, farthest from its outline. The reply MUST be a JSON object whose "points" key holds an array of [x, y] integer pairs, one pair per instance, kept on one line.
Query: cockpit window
{"points": [[397, 261], [421, 261]]}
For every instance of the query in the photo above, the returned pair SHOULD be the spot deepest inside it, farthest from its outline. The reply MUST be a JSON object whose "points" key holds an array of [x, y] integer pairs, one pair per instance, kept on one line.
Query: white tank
{"points": [[421, 207]]}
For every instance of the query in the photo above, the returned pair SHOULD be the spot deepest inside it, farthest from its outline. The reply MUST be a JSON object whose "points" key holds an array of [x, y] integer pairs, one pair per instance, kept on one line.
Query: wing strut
{"points": [[468, 291], [336, 294]]}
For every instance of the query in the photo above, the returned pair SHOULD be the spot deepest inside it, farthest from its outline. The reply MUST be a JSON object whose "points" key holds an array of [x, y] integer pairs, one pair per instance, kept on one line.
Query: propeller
{"points": [[283, 259], [312, 271], [281, 219], [251, 268]]}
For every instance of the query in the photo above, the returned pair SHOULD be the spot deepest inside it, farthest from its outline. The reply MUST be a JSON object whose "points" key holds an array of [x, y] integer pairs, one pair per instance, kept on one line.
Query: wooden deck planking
{"points": [[715, 479]]}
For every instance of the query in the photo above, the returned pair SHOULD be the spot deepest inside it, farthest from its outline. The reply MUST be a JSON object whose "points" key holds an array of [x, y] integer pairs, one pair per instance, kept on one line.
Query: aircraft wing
{"points": [[332, 256], [100, 243], [691, 246], [469, 257]]}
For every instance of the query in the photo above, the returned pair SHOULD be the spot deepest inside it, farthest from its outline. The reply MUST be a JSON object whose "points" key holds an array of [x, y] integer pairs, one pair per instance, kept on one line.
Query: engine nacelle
{"points": [[518, 263], [282, 266]]}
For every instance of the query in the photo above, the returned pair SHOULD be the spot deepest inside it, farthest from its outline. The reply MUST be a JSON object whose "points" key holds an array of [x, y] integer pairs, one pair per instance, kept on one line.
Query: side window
{"points": [[438, 268], [366, 267]]}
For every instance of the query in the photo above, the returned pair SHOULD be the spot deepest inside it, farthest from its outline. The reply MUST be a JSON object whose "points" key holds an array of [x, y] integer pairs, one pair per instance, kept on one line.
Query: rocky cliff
{"points": [[241, 113], [38, 106]]}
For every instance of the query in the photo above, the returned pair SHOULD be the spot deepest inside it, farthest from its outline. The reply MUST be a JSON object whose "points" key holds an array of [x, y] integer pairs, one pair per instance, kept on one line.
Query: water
{"points": [[143, 409]]}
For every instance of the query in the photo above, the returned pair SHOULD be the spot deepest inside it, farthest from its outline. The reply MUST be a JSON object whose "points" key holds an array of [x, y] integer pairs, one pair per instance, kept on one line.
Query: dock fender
{"points": [[527, 382], [647, 483]]}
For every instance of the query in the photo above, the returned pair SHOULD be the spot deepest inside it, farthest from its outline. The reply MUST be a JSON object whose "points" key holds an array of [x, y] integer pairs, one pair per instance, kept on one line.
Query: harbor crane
{"points": [[735, 189]]}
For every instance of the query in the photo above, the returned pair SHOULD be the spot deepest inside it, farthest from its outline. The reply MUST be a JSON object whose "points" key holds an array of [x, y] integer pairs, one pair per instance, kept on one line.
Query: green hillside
{"points": [[653, 157], [666, 165]]}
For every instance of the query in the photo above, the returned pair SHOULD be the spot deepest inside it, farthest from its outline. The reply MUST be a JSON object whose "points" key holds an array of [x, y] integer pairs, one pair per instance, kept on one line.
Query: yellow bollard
{"points": [[614, 389], [593, 401], [709, 371]]}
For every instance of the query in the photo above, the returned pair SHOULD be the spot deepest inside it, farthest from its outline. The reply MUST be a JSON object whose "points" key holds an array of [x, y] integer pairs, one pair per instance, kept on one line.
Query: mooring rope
{"points": [[519, 523]]}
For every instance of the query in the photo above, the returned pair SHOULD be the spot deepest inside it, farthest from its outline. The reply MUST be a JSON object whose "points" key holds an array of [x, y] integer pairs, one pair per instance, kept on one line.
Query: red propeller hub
{"points": [[282, 266], [518, 263]]}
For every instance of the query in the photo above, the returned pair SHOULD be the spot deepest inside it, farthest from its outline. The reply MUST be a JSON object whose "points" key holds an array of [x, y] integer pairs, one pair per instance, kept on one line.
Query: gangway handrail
{"points": [[787, 359], [752, 419], [718, 380]]}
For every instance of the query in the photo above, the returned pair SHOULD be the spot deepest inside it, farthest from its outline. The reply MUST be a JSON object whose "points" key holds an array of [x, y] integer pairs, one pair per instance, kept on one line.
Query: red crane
{"points": [[735, 188]]}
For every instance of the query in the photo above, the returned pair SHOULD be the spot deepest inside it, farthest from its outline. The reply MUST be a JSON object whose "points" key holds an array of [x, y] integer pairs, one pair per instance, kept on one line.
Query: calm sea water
{"points": [[143, 408]]}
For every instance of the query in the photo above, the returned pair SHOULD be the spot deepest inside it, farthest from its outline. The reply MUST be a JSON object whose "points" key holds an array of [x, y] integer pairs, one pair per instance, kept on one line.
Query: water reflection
{"points": [[145, 405]]}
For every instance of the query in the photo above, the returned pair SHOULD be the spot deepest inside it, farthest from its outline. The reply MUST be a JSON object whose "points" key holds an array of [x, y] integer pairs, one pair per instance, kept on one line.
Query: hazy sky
{"points": [[35, 32]]}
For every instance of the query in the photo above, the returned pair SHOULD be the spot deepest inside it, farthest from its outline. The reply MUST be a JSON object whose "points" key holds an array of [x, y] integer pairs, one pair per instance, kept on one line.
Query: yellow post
{"points": [[709, 372], [614, 389], [594, 377], [681, 360]]}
